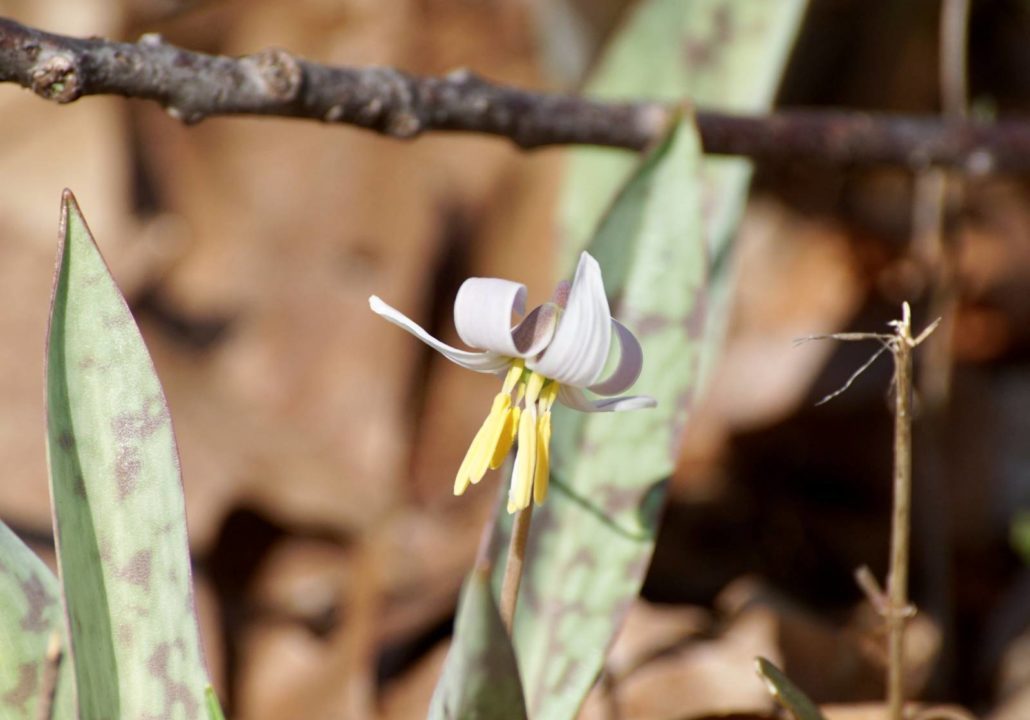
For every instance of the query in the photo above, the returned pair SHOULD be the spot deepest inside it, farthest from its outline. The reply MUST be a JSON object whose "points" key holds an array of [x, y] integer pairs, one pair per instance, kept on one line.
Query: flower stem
{"points": [[513, 565], [897, 580]]}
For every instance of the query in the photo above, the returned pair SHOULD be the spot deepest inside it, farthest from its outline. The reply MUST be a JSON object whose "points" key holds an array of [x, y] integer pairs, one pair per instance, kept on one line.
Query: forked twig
{"points": [[893, 604]]}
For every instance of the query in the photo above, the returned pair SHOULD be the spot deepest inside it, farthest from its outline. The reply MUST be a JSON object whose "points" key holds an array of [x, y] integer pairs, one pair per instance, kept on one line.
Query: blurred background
{"points": [[319, 443]]}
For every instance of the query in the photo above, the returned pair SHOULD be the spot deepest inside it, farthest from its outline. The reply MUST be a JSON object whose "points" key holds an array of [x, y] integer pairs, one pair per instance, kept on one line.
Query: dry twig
{"points": [[893, 604], [193, 86]]}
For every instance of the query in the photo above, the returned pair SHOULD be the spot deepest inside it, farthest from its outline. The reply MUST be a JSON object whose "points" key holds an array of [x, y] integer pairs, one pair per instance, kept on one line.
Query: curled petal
{"points": [[631, 360], [536, 330], [577, 400], [484, 362], [579, 349], [483, 310]]}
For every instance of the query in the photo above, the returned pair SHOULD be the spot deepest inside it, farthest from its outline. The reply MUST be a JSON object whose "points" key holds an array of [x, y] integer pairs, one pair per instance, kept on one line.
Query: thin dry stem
{"points": [[893, 604], [513, 566], [897, 579], [854, 376], [871, 588], [937, 193], [932, 191], [954, 31]]}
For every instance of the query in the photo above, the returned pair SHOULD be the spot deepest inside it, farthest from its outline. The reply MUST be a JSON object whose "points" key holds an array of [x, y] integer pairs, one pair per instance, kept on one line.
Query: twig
{"points": [[885, 344], [854, 376], [937, 192], [944, 713], [954, 50], [937, 256], [193, 86], [893, 604], [871, 587], [897, 578], [930, 204], [513, 566]]}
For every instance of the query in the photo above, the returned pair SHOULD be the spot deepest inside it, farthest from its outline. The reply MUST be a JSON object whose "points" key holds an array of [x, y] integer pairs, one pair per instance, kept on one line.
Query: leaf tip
{"points": [[69, 206], [762, 669]]}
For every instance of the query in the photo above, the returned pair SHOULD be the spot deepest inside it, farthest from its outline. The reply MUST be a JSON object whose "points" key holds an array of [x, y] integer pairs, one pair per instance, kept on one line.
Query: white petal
{"points": [[485, 362], [577, 400], [577, 354], [535, 331], [482, 313], [631, 360]]}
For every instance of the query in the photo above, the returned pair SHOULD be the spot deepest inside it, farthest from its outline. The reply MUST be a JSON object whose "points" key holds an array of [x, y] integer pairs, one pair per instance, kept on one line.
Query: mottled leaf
{"points": [[117, 498], [480, 680], [30, 622], [786, 693], [718, 54]]}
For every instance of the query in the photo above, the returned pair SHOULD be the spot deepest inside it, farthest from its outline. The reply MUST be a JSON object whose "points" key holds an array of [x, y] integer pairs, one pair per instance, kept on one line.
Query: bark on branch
{"points": [[193, 86]]}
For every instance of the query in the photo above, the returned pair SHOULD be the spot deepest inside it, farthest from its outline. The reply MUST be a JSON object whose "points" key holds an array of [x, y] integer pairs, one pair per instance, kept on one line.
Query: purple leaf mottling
{"points": [[39, 602], [26, 687], [137, 570], [127, 470]]}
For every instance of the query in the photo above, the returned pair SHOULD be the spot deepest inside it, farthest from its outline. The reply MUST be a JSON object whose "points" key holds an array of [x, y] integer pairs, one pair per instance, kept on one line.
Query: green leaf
{"points": [[480, 680], [723, 55], [592, 540], [214, 708], [786, 693], [117, 499], [30, 621]]}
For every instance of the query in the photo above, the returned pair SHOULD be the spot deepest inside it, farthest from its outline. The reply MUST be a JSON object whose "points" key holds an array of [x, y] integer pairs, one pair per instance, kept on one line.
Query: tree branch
{"points": [[193, 86]]}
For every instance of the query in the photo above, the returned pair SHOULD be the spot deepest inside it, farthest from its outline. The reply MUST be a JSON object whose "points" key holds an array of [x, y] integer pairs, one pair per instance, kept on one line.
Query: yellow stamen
{"points": [[543, 462], [511, 429], [543, 458], [523, 475], [533, 387], [507, 439], [525, 461], [513, 376], [494, 433], [520, 392], [477, 459], [531, 424], [548, 395]]}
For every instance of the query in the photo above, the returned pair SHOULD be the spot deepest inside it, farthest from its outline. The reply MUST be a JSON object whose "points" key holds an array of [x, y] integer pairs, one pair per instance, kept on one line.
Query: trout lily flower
{"points": [[554, 353]]}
